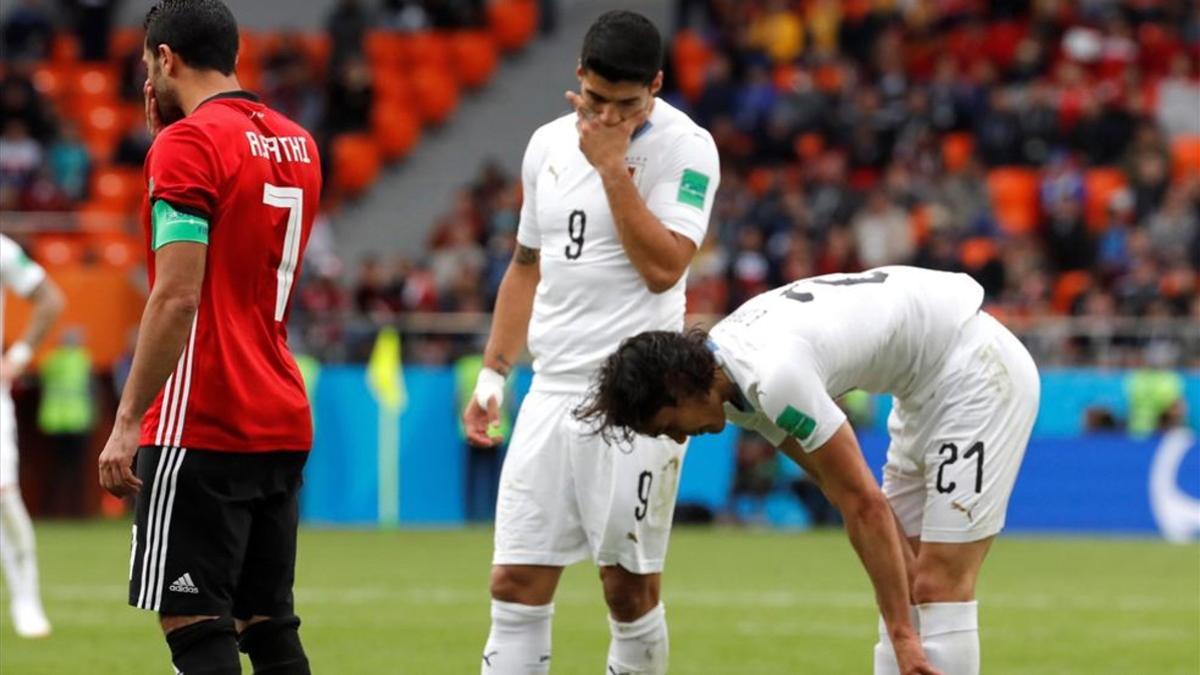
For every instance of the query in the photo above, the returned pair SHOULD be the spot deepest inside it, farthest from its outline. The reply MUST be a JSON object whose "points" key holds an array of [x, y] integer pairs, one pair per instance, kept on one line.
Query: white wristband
{"points": [[489, 385], [19, 355]]}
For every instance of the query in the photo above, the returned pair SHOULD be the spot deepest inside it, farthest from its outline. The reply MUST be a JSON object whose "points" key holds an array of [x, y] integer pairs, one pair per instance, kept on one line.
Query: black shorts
{"points": [[215, 532]]}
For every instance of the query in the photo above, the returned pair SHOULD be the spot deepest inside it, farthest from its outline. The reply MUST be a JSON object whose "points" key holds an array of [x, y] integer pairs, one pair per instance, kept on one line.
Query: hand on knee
{"points": [[273, 646]]}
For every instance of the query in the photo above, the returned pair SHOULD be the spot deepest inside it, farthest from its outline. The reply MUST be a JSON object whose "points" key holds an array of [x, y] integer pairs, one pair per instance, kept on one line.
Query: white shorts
{"points": [[954, 457], [8, 441], [566, 495]]}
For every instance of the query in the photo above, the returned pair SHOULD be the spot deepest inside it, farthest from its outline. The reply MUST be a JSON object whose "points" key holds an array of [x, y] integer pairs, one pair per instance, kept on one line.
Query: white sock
{"points": [[17, 551], [639, 647], [885, 654], [519, 642], [950, 635]]}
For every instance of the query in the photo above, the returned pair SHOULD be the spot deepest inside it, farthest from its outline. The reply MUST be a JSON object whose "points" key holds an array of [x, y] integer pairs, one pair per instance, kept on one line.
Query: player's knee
{"points": [[273, 646], [936, 585], [204, 645], [629, 596], [521, 585]]}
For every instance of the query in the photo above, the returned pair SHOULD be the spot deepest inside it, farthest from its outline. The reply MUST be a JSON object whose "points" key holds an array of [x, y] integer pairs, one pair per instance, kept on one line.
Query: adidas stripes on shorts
{"points": [[215, 532]]}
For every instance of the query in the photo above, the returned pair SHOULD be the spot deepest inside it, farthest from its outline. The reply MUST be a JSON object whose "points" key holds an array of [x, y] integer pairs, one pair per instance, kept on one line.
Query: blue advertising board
{"points": [[1069, 482]]}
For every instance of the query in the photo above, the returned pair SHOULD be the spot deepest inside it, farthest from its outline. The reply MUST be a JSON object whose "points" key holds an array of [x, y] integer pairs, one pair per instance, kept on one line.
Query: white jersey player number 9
{"points": [[292, 199]]}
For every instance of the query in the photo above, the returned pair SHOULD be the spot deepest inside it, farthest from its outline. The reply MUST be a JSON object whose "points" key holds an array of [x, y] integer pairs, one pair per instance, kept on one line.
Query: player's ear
{"points": [[656, 85], [166, 59], [579, 72]]}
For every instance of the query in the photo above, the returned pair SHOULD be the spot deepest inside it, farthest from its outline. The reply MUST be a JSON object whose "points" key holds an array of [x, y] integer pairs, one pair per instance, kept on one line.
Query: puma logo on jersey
{"points": [[553, 172], [959, 507], [487, 657]]}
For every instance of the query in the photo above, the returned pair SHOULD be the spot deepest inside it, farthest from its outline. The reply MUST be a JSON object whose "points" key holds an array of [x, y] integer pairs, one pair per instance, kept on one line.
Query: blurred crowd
{"points": [[838, 125], [45, 161], [858, 134], [1050, 148]]}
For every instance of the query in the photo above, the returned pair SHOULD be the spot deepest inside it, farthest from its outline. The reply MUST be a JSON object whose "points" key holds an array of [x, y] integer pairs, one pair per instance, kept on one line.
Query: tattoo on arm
{"points": [[527, 256], [505, 366]]}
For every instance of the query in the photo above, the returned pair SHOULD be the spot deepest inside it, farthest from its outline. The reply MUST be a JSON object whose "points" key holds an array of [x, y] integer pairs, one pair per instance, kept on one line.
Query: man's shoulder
{"points": [[676, 127], [553, 131]]}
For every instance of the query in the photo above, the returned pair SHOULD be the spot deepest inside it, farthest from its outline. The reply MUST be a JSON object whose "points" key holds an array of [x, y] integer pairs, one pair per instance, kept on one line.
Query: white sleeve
{"points": [[683, 196], [17, 271], [528, 233], [793, 397]]}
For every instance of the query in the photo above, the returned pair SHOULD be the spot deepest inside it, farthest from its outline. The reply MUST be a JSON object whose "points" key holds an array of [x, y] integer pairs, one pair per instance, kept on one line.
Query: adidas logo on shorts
{"points": [[184, 585]]}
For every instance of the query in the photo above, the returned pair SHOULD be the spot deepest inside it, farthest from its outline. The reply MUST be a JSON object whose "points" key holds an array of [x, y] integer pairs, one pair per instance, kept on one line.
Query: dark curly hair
{"points": [[648, 372]]}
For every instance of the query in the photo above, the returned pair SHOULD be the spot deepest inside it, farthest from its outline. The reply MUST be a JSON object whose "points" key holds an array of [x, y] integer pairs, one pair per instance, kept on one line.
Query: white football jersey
{"points": [[17, 273], [795, 349], [590, 296]]}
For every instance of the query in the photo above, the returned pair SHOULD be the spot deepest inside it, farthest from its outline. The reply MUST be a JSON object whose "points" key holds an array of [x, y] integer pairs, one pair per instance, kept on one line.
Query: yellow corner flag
{"points": [[384, 374], [385, 377]]}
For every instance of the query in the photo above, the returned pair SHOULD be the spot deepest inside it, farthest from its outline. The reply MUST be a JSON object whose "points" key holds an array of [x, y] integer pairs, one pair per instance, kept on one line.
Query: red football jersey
{"points": [[255, 176]]}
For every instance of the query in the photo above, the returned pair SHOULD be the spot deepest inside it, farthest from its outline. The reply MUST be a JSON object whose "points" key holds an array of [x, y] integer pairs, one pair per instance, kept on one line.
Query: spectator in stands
{"points": [[20, 155], [1179, 98], [93, 24], [27, 32], [20, 101], [347, 26], [69, 163], [999, 132], [404, 15], [288, 83], [350, 95], [1174, 228], [374, 293], [882, 232], [133, 146]]}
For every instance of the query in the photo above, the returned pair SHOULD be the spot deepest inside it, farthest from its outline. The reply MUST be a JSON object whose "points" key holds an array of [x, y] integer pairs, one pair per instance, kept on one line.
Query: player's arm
{"points": [[514, 307], [181, 250], [660, 255], [48, 305], [843, 475]]}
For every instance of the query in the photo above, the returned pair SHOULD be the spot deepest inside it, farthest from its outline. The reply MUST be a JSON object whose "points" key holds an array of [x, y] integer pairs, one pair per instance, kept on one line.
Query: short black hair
{"points": [[623, 46], [202, 32], [647, 373]]}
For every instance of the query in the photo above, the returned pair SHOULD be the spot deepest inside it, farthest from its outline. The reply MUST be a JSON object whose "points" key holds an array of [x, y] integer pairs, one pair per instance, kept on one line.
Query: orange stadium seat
{"points": [[1069, 286], [977, 252], [957, 148], [101, 128], [427, 49], [64, 48], [117, 189], [385, 49], [474, 57], [1099, 186], [691, 56], [318, 48], [250, 48], [512, 22], [53, 250], [435, 94], [50, 80], [355, 163], [396, 128], [94, 82], [1185, 156], [1014, 194], [392, 84], [125, 40]]}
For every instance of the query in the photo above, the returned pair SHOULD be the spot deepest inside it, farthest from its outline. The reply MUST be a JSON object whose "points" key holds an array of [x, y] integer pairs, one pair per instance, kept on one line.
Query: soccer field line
{"points": [[366, 595]]}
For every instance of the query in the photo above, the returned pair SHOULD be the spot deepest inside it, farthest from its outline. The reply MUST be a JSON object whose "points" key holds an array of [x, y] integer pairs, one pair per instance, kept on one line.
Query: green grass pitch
{"points": [[740, 602]]}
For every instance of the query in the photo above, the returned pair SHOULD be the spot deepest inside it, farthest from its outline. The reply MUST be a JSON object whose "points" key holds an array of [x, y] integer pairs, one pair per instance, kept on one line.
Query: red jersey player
{"points": [[215, 407]]}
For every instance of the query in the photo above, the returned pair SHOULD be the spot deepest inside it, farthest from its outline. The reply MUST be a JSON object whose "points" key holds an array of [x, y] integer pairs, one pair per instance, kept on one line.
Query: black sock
{"points": [[208, 647], [274, 647]]}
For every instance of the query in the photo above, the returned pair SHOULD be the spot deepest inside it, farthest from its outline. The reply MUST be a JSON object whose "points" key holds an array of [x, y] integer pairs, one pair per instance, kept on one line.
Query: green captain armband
{"points": [[170, 225]]}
